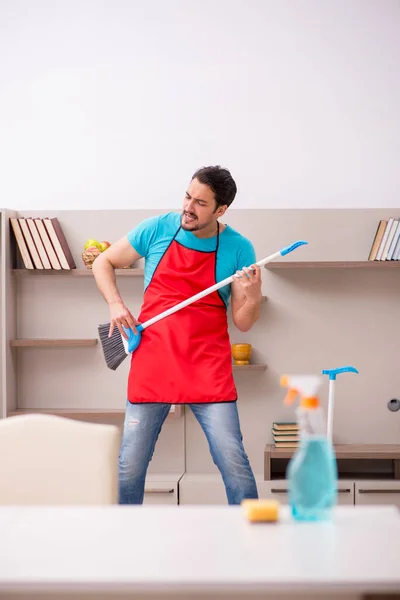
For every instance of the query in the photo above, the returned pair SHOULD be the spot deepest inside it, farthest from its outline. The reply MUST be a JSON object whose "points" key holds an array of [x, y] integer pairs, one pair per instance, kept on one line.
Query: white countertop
{"points": [[167, 548]]}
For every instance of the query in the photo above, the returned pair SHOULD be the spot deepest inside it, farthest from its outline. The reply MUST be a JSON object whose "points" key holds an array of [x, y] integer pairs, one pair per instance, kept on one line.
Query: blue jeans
{"points": [[220, 423]]}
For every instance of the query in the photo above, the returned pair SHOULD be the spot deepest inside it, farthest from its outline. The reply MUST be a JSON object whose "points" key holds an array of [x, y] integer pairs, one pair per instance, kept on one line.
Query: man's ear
{"points": [[221, 210]]}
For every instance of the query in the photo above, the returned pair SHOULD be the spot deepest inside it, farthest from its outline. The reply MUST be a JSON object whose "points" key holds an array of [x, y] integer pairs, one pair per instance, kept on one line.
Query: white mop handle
{"points": [[218, 285]]}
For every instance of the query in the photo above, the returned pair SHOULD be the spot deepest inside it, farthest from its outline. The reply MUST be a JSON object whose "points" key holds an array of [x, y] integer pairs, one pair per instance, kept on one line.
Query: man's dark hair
{"points": [[220, 181]]}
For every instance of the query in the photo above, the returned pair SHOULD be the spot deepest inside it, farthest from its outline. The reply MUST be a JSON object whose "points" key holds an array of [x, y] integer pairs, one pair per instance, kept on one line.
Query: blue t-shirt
{"points": [[152, 237]]}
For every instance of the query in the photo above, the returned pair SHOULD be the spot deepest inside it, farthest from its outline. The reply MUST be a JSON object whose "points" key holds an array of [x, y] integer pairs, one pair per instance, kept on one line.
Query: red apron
{"points": [[186, 357]]}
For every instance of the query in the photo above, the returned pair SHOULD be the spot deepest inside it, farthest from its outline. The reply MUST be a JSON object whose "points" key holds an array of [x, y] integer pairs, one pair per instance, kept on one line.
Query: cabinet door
{"points": [[279, 489], [345, 491], [202, 489], [378, 492], [160, 490]]}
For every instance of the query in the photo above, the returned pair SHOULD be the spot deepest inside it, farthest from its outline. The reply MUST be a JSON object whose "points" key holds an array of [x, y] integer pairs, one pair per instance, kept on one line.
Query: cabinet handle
{"points": [[283, 491], [380, 491], [159, 491]]}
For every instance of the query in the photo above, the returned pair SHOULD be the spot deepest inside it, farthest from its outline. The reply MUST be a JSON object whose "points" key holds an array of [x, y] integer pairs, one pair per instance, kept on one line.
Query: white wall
{"points": [[114, 103]]}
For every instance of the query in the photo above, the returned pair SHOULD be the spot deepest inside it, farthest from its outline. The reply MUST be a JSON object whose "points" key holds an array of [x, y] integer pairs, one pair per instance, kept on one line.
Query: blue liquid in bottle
{"points": [[312, 478]]}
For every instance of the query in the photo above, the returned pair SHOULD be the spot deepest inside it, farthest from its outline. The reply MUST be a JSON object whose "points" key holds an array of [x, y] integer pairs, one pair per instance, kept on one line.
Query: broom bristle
{"points": [[113, 347]]}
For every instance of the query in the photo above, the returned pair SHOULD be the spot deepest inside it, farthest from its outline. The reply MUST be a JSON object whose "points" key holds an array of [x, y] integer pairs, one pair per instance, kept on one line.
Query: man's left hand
{"points": [[249, 279]]}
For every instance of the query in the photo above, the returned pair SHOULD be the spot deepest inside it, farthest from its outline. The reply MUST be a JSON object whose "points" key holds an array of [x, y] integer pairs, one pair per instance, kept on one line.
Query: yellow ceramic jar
{"points": [[241, 354]]}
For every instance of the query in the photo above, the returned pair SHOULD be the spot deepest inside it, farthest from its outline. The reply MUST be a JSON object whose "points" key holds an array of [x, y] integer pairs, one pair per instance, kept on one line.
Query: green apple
{"points": [[92, 242]]}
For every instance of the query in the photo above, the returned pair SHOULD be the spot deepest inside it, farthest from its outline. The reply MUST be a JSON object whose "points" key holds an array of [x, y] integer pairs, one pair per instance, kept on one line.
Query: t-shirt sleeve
{"points": [[142, 236], [246, 254]]}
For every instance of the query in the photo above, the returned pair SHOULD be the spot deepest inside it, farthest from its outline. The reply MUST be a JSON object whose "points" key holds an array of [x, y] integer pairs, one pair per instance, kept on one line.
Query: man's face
{"points": [[199, 207]]}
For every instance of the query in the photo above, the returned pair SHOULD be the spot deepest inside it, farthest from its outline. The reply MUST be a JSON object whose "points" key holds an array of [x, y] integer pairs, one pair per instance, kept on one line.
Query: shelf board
{"points": [[249, 367], [85, 273], [334, 264], [53, 343], [353, 451], [67, 412], [357, 452], [95, 415], [136, 272], [83, 343]]}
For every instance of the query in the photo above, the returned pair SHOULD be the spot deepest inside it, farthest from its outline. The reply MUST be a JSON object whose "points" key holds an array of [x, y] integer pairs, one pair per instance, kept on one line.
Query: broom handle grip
{"points": [[217, 286]]}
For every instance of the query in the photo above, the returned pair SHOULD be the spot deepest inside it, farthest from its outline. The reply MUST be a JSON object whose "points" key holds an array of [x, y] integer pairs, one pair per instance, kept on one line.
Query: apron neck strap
{"points": [[217, 246]]}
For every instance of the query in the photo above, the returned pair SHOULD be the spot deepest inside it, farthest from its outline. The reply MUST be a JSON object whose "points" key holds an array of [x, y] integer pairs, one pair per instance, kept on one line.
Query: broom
{"points": [[116, 348]]}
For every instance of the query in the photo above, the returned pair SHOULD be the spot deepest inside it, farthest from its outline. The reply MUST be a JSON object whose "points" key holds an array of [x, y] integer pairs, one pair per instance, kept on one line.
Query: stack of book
{"points": [[42, 244], [386, 244], [286, 435]]}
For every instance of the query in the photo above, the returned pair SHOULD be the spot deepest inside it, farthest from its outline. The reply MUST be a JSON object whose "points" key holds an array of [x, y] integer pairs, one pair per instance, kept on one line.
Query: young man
{"points": [[186, 357]]}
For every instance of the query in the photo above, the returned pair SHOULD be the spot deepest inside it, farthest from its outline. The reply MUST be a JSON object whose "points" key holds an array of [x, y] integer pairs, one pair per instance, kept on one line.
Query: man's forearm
{"points": [[248, 314], [104, 275]]}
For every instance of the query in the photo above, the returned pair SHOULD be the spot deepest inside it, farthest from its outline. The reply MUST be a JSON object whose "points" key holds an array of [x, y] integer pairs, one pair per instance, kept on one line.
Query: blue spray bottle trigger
{"points": [[133, 338], [334, 372]]}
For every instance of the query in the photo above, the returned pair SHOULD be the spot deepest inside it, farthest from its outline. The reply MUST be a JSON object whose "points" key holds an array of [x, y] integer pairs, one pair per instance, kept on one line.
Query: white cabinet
{"points": [[161, 489], [377, 492], [209, 489]]}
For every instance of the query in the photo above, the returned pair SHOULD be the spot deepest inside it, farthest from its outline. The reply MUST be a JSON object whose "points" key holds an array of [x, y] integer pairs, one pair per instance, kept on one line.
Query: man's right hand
{"points": [[121, 317]]}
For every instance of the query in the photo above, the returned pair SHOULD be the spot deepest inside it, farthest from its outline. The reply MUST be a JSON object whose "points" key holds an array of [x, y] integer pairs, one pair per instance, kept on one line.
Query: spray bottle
{"points": [[312, 470]]}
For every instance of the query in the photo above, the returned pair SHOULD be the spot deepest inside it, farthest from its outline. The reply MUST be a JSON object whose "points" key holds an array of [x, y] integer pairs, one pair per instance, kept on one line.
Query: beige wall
{"points": [[314, 319]]}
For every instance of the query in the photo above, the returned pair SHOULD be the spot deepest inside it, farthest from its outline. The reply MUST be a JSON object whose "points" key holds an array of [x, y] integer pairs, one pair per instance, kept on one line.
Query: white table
{"points": [[188, 551]]}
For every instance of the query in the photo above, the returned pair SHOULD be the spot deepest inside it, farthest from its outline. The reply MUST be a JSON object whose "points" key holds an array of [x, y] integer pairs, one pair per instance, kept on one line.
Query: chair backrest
{"points": [[46, 459]]}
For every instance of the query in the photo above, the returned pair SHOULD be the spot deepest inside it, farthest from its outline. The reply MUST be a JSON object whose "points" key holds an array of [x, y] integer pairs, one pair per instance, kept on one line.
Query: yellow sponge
{"points": [[261, 510]]}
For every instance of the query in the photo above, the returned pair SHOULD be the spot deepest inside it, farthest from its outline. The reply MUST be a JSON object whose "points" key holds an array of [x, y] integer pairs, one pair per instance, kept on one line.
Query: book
{"points": [[396, 253], [21, 243], [285, 426], [394, 242], [286, 444], [30, 243], [55, 263], [59, 242], [377, 240], [286, 438], [279, 432], [38, 243], [389, 240], [384, 239]]}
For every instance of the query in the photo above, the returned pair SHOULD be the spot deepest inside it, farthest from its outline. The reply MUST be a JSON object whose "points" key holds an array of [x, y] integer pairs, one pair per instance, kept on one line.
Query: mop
{"points": [[116, 348]]}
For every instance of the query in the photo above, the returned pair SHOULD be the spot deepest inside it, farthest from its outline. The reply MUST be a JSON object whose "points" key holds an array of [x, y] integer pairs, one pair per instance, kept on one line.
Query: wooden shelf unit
{"points": [[82, 343], [83, 273], [53, 343], [136, 272], [251, 367], [94, 416], [334, 264], [358, 452], [279, 264]]}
